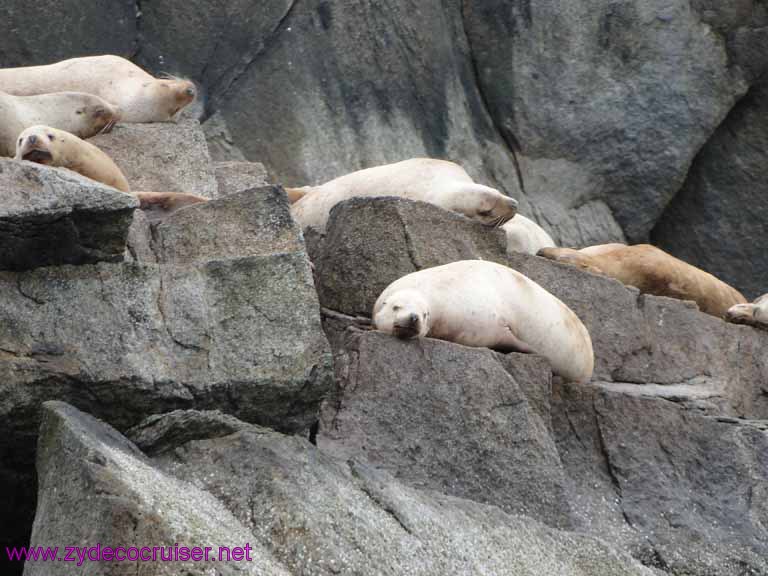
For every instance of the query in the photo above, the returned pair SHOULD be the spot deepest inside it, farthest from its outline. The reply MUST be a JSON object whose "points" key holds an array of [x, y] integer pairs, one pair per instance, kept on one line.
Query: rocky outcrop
{"points": [[638, 339], [50, 216], [233, 177], [224, 315]]}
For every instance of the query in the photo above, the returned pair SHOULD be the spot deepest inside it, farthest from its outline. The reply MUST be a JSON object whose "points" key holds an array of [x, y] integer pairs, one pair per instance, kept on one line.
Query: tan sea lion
{"points": [[52, 147], [652, 271], [755, 314], [525, 236], [84, 115], [438, 182], [483, 304], [140, 96]]}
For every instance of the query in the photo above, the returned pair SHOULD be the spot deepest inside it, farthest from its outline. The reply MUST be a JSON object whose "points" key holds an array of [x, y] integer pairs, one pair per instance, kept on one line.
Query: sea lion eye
{"points": [[396, 308], [51, 137], [485, 212], [20, 141]]}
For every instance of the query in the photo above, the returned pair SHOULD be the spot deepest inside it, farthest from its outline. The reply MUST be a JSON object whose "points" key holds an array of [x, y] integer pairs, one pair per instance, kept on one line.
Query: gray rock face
{"points": [[96, 488], [233, 177], [620, 100], [53, 216], [69, 29], [719, 220], [162, 157], [321, 516], [451, 419], [687, 493], [637, 339], [228, 319]]}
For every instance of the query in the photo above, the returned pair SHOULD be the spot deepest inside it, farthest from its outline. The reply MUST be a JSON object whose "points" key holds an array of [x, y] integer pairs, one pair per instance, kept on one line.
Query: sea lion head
{"points": [[482, 203], [39, 144], [404, 314], [753, 314], [173, 94]]}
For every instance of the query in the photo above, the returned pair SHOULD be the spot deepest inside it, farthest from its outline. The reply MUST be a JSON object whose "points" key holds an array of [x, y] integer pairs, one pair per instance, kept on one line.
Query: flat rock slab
{"points": [[448, 418], [162, 157], [54, 216], [98, 489]]}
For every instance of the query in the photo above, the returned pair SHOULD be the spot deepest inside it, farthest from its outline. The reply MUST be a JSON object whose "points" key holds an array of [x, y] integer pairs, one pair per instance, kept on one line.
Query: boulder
{"points": [[451, 419], [54, 216], [162, 157], [226, 320], [322, 516], [98, 491], [720, 217], [685, 492]]}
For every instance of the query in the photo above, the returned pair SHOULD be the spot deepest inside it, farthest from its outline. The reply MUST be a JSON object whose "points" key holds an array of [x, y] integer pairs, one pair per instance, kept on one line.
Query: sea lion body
{"points": [[653, 271], [84, 115], [484, 304], [139, 96], [755, 314], [52, 147], [525, 236], [437, 182]]}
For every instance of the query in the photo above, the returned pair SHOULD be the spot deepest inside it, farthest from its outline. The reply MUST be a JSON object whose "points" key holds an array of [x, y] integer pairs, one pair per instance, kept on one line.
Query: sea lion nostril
{"points": [[32, 139], [413, 318], [190, 92]]}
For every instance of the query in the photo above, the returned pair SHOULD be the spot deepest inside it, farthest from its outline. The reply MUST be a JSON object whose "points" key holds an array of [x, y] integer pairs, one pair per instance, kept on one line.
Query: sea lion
{"points": [[652, 271], [296, 194], [525, 236], [483, 304], [84, 115], [755, 314], [52, 147], [438, 182], [140, 96]]}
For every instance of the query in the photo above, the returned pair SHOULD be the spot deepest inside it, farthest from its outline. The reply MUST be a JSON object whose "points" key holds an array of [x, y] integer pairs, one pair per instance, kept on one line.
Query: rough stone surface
{"points": [[162, 157], [221, 146], [96, 488], [53, 216], [232, 324], [233, 177], [322, 516], [448, 418], [685, 492], [719, 220]]}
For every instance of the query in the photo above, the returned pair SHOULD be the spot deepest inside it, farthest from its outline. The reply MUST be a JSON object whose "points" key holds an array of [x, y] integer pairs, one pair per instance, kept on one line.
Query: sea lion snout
{"points": [[740, 313], [32, 140], [407, 326]]}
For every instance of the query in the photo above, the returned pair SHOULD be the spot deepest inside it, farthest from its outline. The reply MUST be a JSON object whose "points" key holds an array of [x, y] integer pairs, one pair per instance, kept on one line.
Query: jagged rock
{"points": [[617, 102], [320, 516], [69, 29], [685, 492], [227, 320], [449, 418], [637, 339], [162, 157], [96, 488], [719, 220], [54, 216], [233, 177]]}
